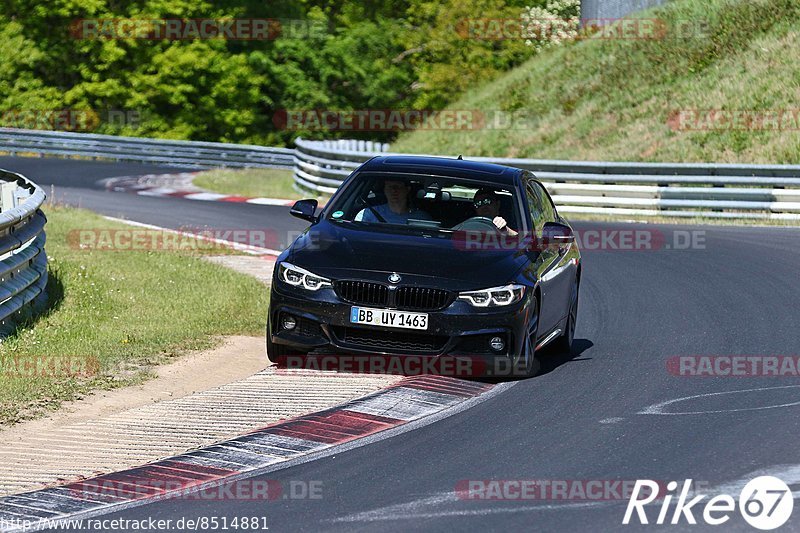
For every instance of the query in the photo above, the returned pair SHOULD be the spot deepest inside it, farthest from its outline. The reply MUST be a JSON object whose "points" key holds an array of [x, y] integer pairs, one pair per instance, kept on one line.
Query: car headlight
{"points": [[300, 277], [494, 297]]}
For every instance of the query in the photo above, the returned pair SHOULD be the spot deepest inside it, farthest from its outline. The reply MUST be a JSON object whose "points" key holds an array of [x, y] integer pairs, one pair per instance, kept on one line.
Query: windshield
{"points": [[448, 204]]}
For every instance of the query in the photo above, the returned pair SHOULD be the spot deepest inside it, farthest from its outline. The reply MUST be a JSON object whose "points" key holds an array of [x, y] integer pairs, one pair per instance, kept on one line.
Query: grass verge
{"points": [[628, 99], [252, 183], [114, 314]]}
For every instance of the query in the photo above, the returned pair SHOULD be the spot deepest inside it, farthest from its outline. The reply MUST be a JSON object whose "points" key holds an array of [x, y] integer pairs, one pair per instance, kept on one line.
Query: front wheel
{"points": [[527, 364], [563, 344]]}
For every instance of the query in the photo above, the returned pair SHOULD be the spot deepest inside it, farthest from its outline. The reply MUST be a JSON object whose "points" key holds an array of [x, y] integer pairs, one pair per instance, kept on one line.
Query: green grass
{"points": [[612, 99], [126, 310], [252, 183]]}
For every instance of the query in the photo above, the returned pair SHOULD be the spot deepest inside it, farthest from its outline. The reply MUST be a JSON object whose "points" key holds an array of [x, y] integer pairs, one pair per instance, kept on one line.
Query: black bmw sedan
{"points": [[426, 256]]}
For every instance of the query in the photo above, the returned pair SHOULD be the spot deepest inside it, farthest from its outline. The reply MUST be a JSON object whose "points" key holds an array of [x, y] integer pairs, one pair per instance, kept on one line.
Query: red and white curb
{"points": [[179, 186], [405, 403]]}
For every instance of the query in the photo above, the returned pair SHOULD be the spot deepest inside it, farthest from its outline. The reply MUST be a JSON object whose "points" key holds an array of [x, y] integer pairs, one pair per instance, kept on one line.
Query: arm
{"points": [[502, 225]]}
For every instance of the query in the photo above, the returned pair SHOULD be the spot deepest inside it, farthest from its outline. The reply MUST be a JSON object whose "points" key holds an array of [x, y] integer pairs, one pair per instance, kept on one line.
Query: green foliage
{"points": [[454, 45], [368, 55]]}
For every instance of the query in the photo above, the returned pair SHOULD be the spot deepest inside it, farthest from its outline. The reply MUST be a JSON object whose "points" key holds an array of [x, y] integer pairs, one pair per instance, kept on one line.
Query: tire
{"points": [[527, 364], [563, 344], [277, 353]]}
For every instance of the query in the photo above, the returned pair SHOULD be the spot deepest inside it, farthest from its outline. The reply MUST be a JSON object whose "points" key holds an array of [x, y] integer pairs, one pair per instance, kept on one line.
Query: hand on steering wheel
{"points": [[477, 224]]}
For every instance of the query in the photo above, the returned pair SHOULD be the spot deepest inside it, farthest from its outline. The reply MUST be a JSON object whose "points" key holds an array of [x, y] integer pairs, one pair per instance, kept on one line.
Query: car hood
{"points": [[363, 253]]}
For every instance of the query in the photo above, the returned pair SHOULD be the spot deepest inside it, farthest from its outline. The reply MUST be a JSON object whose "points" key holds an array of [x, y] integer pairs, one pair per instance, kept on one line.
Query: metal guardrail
{"points": [[23, 260], [605, 188], [192, 154], [613, 188]]}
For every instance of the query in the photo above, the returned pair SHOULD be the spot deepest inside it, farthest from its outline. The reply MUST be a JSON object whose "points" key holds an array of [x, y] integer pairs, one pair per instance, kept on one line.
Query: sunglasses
{"points": [[485, 201]]}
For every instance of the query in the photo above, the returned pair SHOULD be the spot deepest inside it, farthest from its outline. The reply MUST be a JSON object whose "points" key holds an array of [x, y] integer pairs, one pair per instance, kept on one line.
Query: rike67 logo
{"points": [[765, 503]]}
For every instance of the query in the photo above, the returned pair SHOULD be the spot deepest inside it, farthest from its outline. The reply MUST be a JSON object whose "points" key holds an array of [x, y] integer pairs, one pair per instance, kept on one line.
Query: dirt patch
{"points": [[236, 358]]}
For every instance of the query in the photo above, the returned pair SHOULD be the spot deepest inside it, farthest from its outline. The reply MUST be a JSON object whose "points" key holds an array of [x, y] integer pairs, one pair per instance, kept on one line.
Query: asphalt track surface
{"points": [[588, 417]]}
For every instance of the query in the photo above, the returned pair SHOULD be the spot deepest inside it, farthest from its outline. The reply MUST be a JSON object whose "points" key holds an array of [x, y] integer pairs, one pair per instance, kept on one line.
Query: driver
{"points": [[397, 209], [487, 204]]}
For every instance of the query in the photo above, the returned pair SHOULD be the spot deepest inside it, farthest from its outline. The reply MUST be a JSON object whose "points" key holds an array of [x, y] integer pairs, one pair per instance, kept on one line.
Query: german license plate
{"points": [[388, 318]]}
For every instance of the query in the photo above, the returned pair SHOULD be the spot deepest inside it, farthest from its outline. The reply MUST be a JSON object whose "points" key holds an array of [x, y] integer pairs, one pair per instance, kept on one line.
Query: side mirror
{"points": [[305, 209], [557, 235]]}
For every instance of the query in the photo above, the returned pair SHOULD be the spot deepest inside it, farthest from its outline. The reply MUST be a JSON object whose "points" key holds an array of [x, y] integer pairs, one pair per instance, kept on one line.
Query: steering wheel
{"points": [[476, 224]]}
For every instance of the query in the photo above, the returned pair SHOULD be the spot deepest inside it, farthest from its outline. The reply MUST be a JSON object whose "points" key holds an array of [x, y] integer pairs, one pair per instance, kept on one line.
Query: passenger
{"points": [[397, 209], [487, 204]]}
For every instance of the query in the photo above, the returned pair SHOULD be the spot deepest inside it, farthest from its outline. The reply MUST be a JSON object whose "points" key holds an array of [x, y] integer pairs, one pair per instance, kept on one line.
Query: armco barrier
{"points": [[191, 154], [605, 188], [23, 260]]}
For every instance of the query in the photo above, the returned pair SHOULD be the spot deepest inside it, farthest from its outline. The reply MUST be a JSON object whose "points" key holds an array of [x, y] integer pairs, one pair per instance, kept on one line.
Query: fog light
{"points": [[288, 322], [497, 344]]}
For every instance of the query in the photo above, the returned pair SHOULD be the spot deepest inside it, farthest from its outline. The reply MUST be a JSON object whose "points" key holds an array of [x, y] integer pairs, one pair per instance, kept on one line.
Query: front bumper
{"points": [[323, 323]]}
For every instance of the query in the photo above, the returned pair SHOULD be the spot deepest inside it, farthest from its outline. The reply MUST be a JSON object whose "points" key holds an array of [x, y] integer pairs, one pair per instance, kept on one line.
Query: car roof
{"points": [[443, 166]]}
